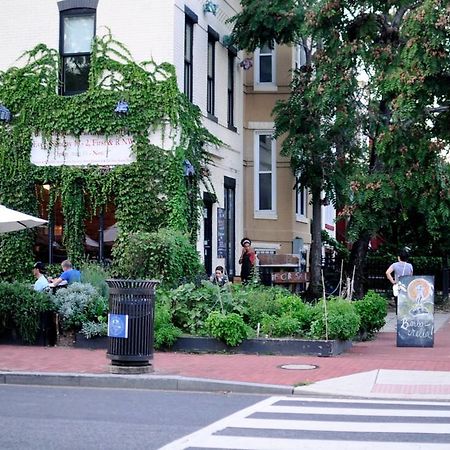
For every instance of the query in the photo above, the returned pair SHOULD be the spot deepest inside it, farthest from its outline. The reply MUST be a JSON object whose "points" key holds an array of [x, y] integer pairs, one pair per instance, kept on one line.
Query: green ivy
{"points": [[148, 194]]}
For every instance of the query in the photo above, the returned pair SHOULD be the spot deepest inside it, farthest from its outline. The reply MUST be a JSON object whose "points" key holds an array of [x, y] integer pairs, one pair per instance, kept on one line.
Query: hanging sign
{"points": [[415, 312]]}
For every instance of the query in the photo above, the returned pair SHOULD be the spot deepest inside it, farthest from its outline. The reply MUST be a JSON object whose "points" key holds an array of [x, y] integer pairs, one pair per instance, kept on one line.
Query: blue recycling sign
{"points": [[118, 325]]}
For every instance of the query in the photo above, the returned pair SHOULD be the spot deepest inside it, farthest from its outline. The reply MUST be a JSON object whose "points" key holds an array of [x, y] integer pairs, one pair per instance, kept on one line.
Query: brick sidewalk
{"points": [[380, 353]]}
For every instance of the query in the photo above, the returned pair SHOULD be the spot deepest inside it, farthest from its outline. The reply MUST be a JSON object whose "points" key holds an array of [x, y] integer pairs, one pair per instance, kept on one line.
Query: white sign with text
{"points": [[86, 150]]}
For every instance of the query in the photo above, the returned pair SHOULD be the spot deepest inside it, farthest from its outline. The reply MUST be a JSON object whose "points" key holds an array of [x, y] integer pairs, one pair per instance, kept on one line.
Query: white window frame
{"points": [[299, 204], [264, 213], [300, 56], [266, 85]]}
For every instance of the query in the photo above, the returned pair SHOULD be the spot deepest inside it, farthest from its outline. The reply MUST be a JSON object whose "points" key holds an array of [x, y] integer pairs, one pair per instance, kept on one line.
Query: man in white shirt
{"points": [[38, 271]]}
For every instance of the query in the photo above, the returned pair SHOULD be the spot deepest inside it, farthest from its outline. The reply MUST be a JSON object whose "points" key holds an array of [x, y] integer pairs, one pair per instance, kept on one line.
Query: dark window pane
{"points": [[265, 69], [265, 191], [265, 153], [76, 73]]}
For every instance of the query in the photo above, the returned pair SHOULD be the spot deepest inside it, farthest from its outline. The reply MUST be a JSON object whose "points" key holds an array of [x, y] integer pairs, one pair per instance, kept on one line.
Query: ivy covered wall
{"points": [[148, 194]]}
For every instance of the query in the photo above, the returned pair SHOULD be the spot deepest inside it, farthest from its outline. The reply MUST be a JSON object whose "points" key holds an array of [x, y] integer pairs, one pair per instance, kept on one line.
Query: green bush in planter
{"points": [[166, 255], [165, 332], [79, 303], [191, 304], [280, 326], [343, 320], [229, 328], [20, 307], [372, 310]]}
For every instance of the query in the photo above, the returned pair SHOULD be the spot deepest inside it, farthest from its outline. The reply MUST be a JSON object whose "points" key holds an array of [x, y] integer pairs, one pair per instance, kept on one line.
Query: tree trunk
{"points": [[358, 261], [315, 285]]}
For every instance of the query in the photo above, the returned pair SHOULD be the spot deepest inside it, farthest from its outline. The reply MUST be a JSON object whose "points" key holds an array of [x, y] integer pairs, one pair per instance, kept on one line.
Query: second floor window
{"points": [[265, 185], [301, 202], [188, 57], [230, 91], [210, 98], [76, 35]]}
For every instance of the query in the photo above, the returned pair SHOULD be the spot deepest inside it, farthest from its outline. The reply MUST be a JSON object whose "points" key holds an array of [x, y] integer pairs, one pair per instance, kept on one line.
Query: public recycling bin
{"points": [[130, 322]]}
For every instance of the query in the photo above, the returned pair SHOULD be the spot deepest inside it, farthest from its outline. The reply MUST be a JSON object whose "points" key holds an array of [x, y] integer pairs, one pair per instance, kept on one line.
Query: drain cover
{"points": [[299, 366]]}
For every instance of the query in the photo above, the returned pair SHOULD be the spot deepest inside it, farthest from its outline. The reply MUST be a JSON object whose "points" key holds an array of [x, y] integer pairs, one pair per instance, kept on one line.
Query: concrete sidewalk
{"points": [[370, 369]]}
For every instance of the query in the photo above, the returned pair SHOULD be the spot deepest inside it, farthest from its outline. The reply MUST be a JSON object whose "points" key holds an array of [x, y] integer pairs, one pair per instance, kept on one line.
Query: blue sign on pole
{"points": [[118, 325]]}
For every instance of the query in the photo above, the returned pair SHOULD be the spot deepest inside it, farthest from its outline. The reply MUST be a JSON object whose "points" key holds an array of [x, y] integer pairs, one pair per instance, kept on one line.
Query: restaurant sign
{"points": [[86, 150]]}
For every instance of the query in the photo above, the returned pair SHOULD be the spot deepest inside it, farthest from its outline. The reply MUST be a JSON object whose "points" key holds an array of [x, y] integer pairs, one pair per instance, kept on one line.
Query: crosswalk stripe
{"points": [[337, 424], [362, 427], [244, 443], [355, 412]]}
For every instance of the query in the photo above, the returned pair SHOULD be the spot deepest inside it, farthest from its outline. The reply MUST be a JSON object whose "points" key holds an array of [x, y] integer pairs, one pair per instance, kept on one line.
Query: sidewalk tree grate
{"points": [[298, 366]]}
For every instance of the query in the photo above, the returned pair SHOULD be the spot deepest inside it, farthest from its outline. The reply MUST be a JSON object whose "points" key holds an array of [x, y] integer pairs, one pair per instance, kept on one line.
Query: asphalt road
{"points": [[62, 418]]}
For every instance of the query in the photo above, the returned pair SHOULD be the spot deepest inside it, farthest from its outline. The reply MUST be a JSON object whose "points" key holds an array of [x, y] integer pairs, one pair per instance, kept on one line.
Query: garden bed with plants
{"points": [[199, 317]]}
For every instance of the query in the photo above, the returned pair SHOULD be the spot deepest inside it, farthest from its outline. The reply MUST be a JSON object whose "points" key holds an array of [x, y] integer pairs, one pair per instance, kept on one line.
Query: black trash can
{"points": [[130, 324]]}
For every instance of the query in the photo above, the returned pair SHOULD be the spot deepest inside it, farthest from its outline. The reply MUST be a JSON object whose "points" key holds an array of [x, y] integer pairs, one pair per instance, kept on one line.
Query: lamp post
{"points": [[189, 174]]}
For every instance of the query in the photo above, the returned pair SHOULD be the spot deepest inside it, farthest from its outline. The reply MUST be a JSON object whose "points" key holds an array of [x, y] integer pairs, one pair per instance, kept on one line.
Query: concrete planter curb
{"points": [[267, 346]]}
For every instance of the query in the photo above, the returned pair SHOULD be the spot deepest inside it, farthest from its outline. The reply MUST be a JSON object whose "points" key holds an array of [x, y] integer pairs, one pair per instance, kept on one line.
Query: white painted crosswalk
{"points": [[293, 423]]}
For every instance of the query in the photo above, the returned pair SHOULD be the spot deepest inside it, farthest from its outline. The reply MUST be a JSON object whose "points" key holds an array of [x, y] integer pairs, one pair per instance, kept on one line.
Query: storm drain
{"points": [[299, 366]]}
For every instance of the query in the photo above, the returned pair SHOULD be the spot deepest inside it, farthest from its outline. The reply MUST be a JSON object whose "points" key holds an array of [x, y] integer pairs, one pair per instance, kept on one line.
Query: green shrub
{"points": [[191, 305], [343, 320], [280, 326], [229, 328], [95, 275], [92, 329], [20, 307], [165, 332], [166, 255], [372, 310], [79, 303]]}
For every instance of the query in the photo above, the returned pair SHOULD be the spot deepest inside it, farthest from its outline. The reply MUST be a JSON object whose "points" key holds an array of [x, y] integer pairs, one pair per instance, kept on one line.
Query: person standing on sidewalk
{"points": [[400, 268], [247, 260]]}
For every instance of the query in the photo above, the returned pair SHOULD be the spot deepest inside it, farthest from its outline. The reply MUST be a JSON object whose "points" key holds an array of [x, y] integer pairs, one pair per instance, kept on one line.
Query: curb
{"points": [[151, 382]]}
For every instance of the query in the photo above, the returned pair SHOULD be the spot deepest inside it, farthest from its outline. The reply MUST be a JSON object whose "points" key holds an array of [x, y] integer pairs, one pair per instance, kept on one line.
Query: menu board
{"points": [[415, 312], [221, 244]]}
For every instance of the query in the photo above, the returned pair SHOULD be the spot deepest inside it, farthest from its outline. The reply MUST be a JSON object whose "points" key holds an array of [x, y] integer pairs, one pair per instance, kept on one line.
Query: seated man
{"points": [[68, 276], [41, 282]]}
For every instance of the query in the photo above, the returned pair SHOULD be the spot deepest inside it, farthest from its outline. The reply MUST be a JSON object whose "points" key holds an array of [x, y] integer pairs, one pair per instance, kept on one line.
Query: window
{"points": [[265, 65], [230, 91], [77, 30], [265, 192], [301, 202], [300, 56], [211, 69], [188, 57]]}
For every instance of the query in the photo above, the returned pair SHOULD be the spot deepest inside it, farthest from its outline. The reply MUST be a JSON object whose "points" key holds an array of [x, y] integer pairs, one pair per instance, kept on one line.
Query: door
{"points": [[230, 225]]}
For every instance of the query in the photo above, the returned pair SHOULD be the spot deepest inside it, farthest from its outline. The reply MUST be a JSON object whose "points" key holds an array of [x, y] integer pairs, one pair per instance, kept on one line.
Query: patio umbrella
{"points": [[11, 220]]}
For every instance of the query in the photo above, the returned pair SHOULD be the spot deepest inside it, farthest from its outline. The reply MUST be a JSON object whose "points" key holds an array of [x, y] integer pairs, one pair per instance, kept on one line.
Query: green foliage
{"points": [[166, 254], [229, 328], [191, 305], [372, 310], [95, 275], [280, 326], [375, 144], [342, 318], [92, 329], [148, 194], [165, 332], [20, 307], [79, 303]]}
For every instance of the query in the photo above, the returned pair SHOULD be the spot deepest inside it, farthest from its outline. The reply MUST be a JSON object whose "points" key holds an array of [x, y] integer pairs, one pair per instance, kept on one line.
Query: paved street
{"points": [[57, 418], [286, 423]]}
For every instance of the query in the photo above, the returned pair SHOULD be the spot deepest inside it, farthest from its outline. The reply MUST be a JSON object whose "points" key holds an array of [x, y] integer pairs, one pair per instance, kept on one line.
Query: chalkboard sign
{"points": [[415, 312], [221, 244]]}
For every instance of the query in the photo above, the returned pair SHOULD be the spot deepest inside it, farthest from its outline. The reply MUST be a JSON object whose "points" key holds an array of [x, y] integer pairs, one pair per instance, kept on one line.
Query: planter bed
{"points": [[268, 346]]}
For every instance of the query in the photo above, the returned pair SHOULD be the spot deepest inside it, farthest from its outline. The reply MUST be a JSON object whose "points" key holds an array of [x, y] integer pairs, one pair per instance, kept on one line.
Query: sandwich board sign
{"points": [[415, 311]]}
